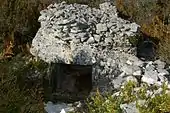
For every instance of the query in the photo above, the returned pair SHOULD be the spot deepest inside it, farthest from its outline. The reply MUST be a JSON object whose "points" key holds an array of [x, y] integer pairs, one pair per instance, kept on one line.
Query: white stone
{"points": [[75, 30], [129, 69], [168, 86], [162, 78], [122, 74], [148, 80], [57, 108], [162, 72], [129, 108], [97, 37], [129, 62], [62, 111], [102, 63], [137, 73], [90, 40], [133, 27], [149, 64], [117, 82], [131, 78], [135, 60], [110, 24], [160, 64], [101, 27]]}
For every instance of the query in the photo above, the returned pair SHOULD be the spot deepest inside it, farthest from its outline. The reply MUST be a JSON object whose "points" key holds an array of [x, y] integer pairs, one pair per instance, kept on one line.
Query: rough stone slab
{"points": [[129, 108]]}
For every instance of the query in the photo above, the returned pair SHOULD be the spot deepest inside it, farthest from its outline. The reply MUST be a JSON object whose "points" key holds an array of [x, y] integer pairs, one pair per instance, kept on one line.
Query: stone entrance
{"points": [[70, 82]]}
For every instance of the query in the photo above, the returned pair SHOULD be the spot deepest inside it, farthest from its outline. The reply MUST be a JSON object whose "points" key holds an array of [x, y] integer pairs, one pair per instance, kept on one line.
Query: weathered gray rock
{"points": [[151, 75], [160, 64], [162, 72], [129, 108], [67, 23], [137, 73], [57, 108], [117, 82], [101, 27], [135, 61], [154, 73], [131, 78], [129, 70], [91, 40]]}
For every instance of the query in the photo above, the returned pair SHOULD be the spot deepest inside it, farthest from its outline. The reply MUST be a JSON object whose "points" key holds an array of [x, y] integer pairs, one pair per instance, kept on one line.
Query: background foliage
{"points": [[154, 18], [15, 95]]}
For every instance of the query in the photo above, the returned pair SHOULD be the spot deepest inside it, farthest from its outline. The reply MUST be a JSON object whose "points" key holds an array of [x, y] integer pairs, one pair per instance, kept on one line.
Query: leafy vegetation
{"points": [[154, 18], [15, 95], [156, 103], [18, 24]]}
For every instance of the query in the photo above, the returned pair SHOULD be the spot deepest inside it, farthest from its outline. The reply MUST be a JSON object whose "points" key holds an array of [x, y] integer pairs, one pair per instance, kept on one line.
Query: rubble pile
{"points": [[79, 34]]}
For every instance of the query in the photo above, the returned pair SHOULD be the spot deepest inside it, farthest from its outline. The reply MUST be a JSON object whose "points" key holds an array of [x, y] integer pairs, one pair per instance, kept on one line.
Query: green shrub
{"points": [[15, 96], [160, 103], [154, 18], [19, 22], [143, 11], [15, 100], [103, 104], [108, 103]]}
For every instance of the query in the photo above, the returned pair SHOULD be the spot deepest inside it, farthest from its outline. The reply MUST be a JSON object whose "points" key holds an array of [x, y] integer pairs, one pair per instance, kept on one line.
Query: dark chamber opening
{"points": [[146, 48], [68, 83]]}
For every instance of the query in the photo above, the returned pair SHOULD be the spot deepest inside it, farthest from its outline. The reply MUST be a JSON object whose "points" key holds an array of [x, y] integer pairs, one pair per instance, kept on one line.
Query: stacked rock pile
{"points": [[78, 34]]}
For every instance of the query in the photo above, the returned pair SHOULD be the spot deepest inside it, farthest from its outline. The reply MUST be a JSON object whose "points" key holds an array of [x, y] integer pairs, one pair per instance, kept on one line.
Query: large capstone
{"points": [[69, 36]]}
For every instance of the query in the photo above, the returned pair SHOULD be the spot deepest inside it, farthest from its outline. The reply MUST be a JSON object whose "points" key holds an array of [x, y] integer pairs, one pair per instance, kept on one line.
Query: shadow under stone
{"points": [[146, 48], [68, 83]]}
